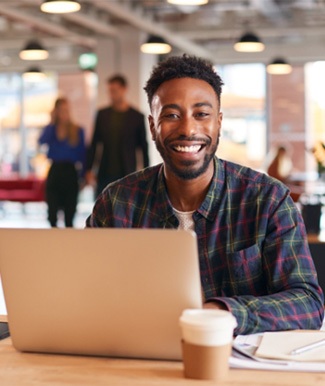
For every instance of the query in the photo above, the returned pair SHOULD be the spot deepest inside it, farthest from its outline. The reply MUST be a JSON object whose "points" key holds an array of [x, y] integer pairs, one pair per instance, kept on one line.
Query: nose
{"points": [[187, 127]]}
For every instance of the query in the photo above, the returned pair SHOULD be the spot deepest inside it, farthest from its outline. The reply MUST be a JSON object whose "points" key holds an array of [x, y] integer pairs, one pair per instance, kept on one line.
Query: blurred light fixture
{"points": [[155, 45], [33, 51], [279, 67], [60, 6], [33, 74], [249, 42], [188, 2]]}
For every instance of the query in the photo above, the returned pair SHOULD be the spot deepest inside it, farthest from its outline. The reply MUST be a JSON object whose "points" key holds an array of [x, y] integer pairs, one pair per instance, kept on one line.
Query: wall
{"points": [[286, 115]]}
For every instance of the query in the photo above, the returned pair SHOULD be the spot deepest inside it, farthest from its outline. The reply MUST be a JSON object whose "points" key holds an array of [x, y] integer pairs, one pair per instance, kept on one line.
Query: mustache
{"points": [[193, 138]]}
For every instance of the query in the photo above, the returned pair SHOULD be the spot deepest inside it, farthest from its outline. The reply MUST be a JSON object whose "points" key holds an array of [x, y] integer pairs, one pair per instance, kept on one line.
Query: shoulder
{"points": [[104, 111], [129, 201], [245, 177], [49, 127], [140, 181], [135, 113], [49, 130]]}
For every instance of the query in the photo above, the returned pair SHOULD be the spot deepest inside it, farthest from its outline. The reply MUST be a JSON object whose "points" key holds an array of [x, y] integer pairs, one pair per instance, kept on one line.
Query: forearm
{"points": [[300, 308]]}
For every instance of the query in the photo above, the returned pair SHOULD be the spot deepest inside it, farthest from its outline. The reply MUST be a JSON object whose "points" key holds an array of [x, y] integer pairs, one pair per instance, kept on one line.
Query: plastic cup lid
{"points": [[208, 319]]}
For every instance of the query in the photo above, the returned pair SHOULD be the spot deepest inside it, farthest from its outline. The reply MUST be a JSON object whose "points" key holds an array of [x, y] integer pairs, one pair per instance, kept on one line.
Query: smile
{"points": [[188, 149]]}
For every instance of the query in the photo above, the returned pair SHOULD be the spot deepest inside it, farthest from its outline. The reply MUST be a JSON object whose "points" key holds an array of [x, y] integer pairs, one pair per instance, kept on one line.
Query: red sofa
{"points": [[30, 189]]}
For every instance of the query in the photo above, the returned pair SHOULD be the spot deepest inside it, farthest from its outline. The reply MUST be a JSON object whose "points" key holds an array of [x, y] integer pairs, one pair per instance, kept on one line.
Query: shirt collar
{"points": [[167, 213], [208, 208]]}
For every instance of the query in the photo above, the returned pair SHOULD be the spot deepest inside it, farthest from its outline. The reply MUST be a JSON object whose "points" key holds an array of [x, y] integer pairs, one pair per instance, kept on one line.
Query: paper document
{"points": [[245, 348], [278, 345]]}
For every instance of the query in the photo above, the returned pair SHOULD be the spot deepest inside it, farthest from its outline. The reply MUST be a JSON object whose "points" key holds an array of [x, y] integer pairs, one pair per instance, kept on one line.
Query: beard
{"points": [[188, 171]]}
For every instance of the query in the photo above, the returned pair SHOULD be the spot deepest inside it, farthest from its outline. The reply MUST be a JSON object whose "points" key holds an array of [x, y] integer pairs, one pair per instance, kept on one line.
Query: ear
{"points": [[152, 127], [220, 116]]}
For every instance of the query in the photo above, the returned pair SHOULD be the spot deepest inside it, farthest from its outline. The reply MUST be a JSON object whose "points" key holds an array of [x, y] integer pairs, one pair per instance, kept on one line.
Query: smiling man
{"points": [[254, 256]]}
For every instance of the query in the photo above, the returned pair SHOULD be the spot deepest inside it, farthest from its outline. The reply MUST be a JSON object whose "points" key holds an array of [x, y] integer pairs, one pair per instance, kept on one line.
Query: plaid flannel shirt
{"points": [[253, 251]]}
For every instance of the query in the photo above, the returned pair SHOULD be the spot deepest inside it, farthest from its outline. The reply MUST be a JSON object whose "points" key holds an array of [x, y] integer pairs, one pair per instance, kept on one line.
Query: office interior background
{"points": [[261, 110]]}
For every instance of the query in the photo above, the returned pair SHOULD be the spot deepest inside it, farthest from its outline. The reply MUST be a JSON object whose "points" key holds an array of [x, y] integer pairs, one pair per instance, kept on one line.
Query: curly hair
{"points": [[183, 67]]}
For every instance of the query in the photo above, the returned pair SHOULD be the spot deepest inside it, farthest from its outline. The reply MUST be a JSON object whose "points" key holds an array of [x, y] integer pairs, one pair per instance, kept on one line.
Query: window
{"points": [[25, 108], [243, 133]]}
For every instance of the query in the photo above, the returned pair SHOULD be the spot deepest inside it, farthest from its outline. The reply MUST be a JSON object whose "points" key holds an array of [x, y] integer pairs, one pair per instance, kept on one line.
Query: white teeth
{"points": [[188, 149]]}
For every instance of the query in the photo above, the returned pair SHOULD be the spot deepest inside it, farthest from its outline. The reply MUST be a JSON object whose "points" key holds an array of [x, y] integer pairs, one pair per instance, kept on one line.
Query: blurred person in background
{"points": [[67, 151], [280, 166], [121, 132]]}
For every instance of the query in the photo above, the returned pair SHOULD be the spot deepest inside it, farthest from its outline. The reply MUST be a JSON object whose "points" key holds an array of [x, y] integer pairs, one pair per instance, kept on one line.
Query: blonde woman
{"points": [[67, 151]]}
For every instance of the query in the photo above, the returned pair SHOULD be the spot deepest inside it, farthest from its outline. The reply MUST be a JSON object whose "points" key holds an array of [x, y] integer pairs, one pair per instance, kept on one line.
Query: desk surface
{"points": [[25, 369]]}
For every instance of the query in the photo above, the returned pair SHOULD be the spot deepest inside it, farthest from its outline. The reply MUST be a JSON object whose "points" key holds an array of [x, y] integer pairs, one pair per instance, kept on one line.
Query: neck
{"points": [[188, 195], [120, 106]]}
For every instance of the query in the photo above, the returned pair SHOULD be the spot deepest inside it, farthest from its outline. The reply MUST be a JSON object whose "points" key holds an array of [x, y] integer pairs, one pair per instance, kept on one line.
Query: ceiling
{"points": [[291, 28]]}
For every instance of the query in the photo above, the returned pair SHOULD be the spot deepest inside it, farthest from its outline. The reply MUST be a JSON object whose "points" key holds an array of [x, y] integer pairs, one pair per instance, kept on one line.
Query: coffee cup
{"points": [[206, 342]]}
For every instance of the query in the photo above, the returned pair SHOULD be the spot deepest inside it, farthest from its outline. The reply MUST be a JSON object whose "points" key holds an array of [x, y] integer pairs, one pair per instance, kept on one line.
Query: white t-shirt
{"points": [[185, 219]]}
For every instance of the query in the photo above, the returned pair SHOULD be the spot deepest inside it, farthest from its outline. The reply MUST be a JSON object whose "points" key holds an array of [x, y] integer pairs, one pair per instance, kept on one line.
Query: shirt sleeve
{"points": [[142, 142], [47, 135], [82, 151], [91, 151], [101, 215], [294, 299]]}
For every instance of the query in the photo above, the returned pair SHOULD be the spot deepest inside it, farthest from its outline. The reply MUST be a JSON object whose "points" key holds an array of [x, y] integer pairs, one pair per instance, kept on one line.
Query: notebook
{"points": [[279, 345], [106, 292]]}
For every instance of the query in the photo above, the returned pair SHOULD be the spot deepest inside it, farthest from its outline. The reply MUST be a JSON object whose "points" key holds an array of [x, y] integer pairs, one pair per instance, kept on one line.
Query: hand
{"points": [[90, 178], [215, 305]]}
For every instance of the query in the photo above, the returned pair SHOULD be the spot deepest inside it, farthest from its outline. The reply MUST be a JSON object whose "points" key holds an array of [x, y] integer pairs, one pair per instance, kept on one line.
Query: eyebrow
{"points": [[177, 107]]}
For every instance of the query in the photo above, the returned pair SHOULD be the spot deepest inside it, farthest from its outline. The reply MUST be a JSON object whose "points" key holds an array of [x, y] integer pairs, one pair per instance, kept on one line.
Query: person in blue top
{"points": [[67, 151]]}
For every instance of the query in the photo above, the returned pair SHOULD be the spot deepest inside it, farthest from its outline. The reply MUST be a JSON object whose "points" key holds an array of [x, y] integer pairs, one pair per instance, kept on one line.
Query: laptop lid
{"points": [[111, 292]]}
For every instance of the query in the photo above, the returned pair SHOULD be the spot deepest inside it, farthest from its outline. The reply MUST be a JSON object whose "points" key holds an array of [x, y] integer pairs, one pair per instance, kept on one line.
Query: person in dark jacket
{"points": [[120, 132]]}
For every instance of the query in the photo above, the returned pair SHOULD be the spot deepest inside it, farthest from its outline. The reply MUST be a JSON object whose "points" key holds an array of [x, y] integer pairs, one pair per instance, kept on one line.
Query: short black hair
{"points": [[183, 67], [118, 79]]}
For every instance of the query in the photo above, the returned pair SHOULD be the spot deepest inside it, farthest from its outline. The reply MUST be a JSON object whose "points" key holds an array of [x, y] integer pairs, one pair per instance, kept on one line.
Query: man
{"points": [[120, 129], [254, 257]]}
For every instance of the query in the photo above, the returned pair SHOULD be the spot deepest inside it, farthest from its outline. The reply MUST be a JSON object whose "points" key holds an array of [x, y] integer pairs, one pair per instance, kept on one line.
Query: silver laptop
{"points": [[110, 292]]}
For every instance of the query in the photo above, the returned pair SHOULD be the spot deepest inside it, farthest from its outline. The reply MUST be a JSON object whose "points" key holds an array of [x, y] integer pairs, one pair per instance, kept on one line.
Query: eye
{"points": [[202, 114], [171, 116]]}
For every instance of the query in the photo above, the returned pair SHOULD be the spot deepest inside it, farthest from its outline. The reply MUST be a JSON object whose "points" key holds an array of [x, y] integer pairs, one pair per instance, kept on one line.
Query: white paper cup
{"points": [[207, 327], [206, 343]]}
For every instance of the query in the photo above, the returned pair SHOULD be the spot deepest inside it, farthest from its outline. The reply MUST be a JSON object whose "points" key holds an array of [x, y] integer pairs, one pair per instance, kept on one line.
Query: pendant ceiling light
{"points": [[33, 51], [249, 42], [33, 74], [155, 45], [188, 2], [60, 6], [279, 67]]}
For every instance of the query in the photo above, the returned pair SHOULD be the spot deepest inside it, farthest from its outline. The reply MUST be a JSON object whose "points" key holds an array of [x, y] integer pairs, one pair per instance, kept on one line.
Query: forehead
{"points": [[115, 85], [184, 90]]}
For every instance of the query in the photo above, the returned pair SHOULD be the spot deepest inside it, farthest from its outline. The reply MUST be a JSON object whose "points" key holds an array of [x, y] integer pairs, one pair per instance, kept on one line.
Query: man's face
{"points": [[185, 123], [117, 93]]}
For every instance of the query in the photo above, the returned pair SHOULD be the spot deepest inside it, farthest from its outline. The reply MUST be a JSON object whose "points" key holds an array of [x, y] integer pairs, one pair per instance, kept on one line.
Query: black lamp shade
{"points": [[155, 45], [279, 66], [33, 51], [249, 42], [34, 74], [154, 39], [249, 38]]}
